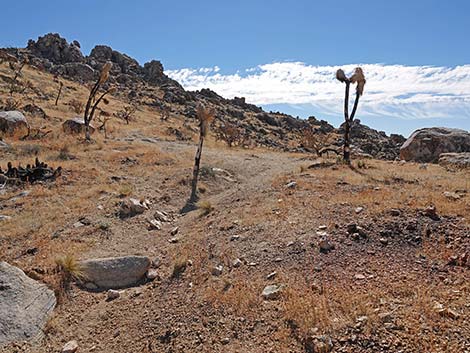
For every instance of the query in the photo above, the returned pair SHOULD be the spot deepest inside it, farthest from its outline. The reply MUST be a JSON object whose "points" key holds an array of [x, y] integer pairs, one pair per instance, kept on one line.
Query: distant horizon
{"points": [[282, 56]]}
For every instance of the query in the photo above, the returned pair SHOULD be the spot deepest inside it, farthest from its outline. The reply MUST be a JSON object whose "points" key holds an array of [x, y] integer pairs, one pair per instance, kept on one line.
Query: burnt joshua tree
{"points": [[93, 101], [205, 117], [359, 79]]}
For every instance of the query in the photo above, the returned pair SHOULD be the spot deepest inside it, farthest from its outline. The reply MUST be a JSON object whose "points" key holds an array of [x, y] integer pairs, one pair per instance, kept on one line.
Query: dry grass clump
{"points": [[68, 270], [205, 207], [179, 266], [240, 297]]}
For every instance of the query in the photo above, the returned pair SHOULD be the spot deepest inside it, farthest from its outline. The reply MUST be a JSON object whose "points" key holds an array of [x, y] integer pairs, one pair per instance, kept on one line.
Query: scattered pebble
{"points": [[70, 347], [217, 270], [112, 294], [271, 275], [272, 292]]}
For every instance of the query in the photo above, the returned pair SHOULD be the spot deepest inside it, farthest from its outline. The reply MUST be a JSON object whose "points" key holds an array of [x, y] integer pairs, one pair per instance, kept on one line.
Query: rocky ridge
{"points": [[149, 85]]}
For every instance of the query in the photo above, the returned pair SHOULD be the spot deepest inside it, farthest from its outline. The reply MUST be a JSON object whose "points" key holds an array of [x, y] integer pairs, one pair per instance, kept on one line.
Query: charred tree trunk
{"points": [[58, 94], [197, 161], [347, 127]]}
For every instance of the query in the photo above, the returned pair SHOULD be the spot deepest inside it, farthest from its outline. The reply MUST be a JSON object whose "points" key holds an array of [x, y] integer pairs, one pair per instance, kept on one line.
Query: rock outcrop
{"points": [[455, 160], [76, 126], [54, 48], [115, 272], [25, 305], [372, 142], [13, 123], [426, 145]]}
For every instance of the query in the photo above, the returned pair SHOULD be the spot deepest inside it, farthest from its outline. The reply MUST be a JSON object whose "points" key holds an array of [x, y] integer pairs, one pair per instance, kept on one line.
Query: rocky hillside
{"points": [[148, 85]]}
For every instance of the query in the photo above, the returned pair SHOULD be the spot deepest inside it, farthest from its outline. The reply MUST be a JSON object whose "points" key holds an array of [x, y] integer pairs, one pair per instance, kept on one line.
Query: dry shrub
{"points": [[205, 207], [327, 308], [313, 140], [76, 106], [231, 134], [241, 297], [127, 113], [67, 269]]}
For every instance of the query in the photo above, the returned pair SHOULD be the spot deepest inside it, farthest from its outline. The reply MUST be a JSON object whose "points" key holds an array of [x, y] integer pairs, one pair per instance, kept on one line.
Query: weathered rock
{"points": [[456, 160], [115, 272], [132, 207], [3, 144], [272, 292], [13, 123], [55, 49], [70, 347], [237, 263], [112, 294], [217, 270], [76, 126], [426, 145], [79, 71], [25, 305], [152, 274]]}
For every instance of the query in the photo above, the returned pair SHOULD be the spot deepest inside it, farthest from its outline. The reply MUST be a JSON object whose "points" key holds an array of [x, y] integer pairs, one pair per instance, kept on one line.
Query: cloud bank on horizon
{"points": [[396, 91]]}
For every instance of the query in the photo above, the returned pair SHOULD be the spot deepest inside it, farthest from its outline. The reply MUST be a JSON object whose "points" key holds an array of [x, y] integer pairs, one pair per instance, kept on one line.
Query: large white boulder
{"points": [[13, 123], [25, 305], [115, 272], [425, 145]]}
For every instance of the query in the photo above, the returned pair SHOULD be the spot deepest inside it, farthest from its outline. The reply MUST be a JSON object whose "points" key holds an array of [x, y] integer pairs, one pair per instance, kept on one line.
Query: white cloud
{"points": [[408, 92]]}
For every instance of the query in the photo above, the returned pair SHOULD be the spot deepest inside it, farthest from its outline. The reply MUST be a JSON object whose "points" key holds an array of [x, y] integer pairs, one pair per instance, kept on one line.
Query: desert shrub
{"points": [[231, 134], [126, 113], [76, 106], [205, 207]]}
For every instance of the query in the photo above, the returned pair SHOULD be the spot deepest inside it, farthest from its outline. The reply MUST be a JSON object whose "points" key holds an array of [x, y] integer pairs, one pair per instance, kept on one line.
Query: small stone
{"points": [[394, 212], [174, 231], [359, 210], [70, 347], [225, 340], [78, 224], [352, 228], [112, 294], [234, 237], [383, 241], [161, 216], [217, 270], [452, 195], [237, 263], [4, 218], [154, 224], [291, 185], [359, 276], [271, 275], [252, 264], [431, 212], [322, 227], [325, 246], [173, 240], [152, 274], [278, 259], [272, 292]]}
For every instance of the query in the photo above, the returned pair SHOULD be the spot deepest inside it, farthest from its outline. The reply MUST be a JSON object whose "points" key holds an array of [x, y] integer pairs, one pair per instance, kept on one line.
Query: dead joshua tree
{"points": [[205, 117], [93, 102], [59, 92], [359, 79]]}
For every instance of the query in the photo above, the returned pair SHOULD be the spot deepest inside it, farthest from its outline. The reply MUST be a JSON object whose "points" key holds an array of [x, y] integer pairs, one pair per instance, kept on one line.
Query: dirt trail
{"points": [[251, 172]]}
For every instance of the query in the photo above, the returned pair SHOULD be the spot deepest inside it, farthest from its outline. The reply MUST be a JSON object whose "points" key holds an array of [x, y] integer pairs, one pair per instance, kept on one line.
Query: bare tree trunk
{"points": [[197, 160], [347, 127], [58, 94], [87, 131]]}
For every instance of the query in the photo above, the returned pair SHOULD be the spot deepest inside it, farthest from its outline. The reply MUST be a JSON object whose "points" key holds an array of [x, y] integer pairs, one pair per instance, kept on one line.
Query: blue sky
{"points": [[252, 45]]}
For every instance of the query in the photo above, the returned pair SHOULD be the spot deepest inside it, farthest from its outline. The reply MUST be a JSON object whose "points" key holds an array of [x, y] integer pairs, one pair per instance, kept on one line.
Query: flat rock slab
{"points": [[115, 272], [25, 305]]}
